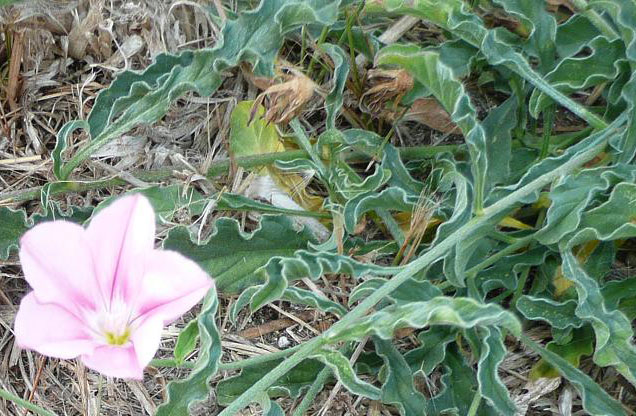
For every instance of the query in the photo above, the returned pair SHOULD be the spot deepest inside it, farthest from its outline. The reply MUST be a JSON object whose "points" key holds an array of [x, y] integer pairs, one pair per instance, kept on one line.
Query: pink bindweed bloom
{"points": [[103, 293]]}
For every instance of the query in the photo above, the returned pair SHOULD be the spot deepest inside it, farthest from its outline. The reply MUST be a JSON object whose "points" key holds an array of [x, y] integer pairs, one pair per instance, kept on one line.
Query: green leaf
{"points": [[187, 341], [166, 201], [432, 349], [458, 386], [14, 224], [334, 100], [574, 34], [280, 271], [491, 387], [595, 400], [393, 198], [292, 384], [195, 388], [232, 257], [558, 315], [398, 389], [410, 291], [581, 344], [255, 138], [236, 202], [442, 310], [346, 375]]}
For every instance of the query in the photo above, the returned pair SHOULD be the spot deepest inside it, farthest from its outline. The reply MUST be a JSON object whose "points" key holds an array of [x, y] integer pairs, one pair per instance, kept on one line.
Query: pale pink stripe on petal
{"points": [[115, 361], [172, 284], [120, 236], [57, 263], [51, 330]]}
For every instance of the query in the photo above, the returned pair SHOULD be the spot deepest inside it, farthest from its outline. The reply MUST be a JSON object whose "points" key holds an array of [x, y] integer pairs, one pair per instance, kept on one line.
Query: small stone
{"points": [[283, 342]]}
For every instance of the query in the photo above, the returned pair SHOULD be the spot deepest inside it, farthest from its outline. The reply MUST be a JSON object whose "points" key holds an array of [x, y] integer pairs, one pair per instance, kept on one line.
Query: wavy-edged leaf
{"points": [[335, 98], [491, 387], [232, 257], [280, 271], [398, 388], [595, 400], [577, 73], [559, 315], [432, 349], [292, 384], [346, 374], [442, 310], [581, 344], [410, 291], [195, 388], [14, 224], [236, 202], [393, 199]]}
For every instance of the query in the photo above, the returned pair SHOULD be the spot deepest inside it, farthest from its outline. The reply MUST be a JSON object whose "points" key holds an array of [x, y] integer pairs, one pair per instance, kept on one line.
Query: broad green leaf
{"points": [[432, 349], [334, 100], [232, 257], [410, 291], [595, 400], [575, 74], [491, 387], [255, 138], [195, 388], [346, 375], [558, 315], [236, 202], [14, 224], [581, 344], [541, 26], [279, 272], [398, 388], [292, 384], [187, 341], [442, 310], [574, 34], [458, 386], [166, 201], [617, 290], [393, 199]]}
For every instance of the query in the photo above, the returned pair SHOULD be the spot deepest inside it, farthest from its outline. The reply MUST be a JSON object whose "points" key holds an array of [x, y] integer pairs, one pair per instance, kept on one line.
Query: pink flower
{"points": [[104, 293]]}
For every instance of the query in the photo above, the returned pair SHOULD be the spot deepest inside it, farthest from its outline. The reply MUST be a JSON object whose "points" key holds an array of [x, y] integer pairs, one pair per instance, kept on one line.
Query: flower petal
{"points": [[58, 265], [146, 339], [171, 285], [51, 330], [120, 235], [115, 361]]}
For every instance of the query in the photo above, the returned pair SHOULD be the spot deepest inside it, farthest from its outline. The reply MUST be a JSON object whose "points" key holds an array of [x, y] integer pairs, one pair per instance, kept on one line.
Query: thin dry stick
{"points": [[23, 159]]}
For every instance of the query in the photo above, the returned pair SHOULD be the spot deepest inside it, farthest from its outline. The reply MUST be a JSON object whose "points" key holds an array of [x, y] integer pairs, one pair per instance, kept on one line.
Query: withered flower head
{"points": [[386, 86], [287, 100]]}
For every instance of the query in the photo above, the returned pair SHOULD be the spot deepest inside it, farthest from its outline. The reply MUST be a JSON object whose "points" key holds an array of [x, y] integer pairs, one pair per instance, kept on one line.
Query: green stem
{"points": [[316, 387], [474, 405], [520, 243], [548, 119], [321, 40], [216, 168], [411, 269], [23, 403]]}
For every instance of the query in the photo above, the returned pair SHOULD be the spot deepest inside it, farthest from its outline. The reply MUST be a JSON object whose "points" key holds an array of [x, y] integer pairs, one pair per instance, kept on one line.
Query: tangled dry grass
{"points": [[55, 57]]}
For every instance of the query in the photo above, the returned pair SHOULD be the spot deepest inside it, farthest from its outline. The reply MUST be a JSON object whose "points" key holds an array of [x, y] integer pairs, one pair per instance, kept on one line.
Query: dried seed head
{"points": [[287, 100], [386, 86]]}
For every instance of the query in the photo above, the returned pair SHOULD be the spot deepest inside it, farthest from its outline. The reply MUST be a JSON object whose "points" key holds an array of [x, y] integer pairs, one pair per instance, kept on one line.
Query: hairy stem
{"points": [[23, 403]]}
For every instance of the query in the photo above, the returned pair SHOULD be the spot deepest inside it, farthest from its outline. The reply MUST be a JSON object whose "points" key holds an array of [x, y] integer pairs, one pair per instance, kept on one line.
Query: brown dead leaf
{"points": [[285, 101], [429, 112], [385, 86], [82, 34]]}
